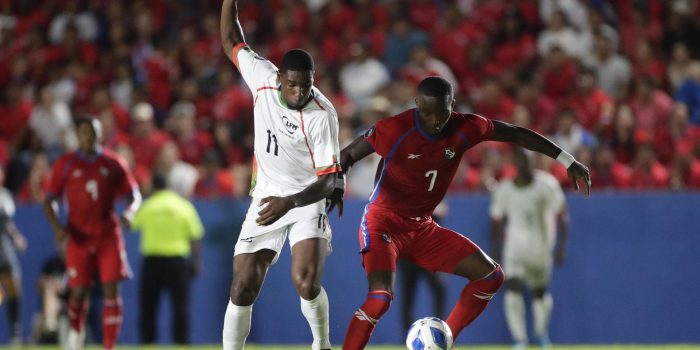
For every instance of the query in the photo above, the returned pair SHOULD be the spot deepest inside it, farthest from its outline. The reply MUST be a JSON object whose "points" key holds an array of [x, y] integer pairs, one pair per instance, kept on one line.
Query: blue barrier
{"points": [[630, 275]]}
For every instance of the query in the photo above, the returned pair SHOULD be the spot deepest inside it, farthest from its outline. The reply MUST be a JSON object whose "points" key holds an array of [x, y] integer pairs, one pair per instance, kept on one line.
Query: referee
{"points": [[170, 243]]}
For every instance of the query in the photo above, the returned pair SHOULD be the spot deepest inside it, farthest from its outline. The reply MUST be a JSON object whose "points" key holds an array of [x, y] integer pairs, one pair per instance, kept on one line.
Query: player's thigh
{"points": [[254, 238], [439, 249], [310, 242], [112, 262], [81, 265], [381, 238]]}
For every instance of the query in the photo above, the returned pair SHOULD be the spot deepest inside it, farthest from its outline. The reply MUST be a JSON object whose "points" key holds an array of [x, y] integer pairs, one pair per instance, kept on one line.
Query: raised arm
{"points": [[231, 31], [533, 141]]}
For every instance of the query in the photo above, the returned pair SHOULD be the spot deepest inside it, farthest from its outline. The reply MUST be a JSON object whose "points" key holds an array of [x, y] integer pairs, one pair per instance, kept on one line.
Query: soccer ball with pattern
{"points": [[430, 333]]}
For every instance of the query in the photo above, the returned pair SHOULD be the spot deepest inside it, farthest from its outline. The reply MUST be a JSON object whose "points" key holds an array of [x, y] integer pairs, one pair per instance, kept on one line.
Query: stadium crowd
{"points": [[616, 82]]}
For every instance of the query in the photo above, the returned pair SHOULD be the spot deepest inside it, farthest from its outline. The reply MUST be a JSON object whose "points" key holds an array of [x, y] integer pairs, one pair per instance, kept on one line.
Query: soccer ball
{"points": [[430, 333]]}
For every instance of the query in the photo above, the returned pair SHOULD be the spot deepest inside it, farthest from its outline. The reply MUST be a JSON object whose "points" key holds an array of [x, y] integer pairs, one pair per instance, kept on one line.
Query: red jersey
{"points": [[417, 168], [90, 185]]}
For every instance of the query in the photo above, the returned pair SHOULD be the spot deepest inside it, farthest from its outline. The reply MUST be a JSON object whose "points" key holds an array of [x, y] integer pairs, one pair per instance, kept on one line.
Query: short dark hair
{"points": [[82, 120], [435, 87], [159, 182], [298, 60]]}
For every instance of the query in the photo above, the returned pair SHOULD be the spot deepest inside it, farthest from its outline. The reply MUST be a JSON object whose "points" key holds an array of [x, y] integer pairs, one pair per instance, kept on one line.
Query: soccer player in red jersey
{"points": [[421, 150], [90, 180]]}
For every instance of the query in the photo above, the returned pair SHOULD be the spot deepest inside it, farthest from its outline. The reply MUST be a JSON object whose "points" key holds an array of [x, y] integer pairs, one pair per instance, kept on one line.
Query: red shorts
{"points": [[386, 236], [106, 257]]}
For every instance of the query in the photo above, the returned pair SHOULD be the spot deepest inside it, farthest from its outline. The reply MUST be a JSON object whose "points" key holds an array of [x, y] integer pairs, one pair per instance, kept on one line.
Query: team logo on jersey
{"points": [[450, 153], [104, 171], [369, 132], [291, 127], [386, 238], [77, 173]]}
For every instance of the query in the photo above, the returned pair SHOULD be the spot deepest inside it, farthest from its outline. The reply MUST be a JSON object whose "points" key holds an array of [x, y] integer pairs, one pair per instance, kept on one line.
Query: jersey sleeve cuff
{"points": [[334, 168], [234, 52]]}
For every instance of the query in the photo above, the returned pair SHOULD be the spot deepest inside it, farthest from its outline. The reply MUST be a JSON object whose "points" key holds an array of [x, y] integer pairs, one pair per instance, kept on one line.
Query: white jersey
{"points": [[292, 147], [530, 213]]}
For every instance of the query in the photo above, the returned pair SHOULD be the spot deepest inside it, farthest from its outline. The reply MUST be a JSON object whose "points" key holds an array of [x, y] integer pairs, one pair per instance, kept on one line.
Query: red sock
{"points": [[111, 321], [473, 300], [76, 314], [365, 318]]}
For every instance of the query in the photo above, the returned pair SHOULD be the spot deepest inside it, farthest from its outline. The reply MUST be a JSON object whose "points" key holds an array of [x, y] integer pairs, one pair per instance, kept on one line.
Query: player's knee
{"points": [[243, 294], [493, 281], [377, 303], [307, 283]]}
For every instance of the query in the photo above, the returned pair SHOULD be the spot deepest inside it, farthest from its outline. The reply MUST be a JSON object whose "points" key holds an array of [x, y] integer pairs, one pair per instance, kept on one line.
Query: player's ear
{"points": [[416, 101], [452, 107]]}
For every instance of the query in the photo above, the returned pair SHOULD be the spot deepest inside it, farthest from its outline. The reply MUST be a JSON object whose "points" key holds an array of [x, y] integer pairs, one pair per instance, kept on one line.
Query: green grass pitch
{"points": [[460, 347]]}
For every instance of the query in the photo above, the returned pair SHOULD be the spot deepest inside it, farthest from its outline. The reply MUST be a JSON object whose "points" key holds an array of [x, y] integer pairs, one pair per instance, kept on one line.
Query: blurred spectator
{"points": [[362, 77], [570, 135], [607, 172], [679, 65], [52, 123], [145, 139], [689, 93], [15, 113], [493, 102], [645, 63], [623, 135], [214, 182], [596, 27], [171, 231], [181, 176], [594, 107], [402, 39], [423, 65], [73, 14], [647, 172], [191, 142], [37, 184], [651, 107], [574, 11], [613, 70], [558, 34], [557, 73], [121, 86]]}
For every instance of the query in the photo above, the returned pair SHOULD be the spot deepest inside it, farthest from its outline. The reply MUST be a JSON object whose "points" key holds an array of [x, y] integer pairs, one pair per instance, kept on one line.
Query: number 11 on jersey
{"points": [[432, 174]]}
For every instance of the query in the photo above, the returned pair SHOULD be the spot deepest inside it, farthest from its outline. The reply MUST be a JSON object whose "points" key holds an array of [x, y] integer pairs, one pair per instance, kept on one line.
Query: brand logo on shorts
{"points": [[414, 156], [247, 239], [72, 273], [450, 153], [386, 238]]}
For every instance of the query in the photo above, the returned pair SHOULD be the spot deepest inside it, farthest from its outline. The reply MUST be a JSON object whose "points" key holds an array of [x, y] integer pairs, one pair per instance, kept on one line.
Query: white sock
{"points": [[74, 340], [541, 310], [515, 316], [316, 313], [236, 326]]}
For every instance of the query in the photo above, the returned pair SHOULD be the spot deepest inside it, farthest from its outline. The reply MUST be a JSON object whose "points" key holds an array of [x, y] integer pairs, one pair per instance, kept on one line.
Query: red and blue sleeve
{"points": [[379, 136]]}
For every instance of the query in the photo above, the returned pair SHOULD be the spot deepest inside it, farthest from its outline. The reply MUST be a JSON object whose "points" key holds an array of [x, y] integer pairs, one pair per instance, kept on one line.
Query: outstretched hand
{"points": [[336, 199], [275, 209], [578, 171]]}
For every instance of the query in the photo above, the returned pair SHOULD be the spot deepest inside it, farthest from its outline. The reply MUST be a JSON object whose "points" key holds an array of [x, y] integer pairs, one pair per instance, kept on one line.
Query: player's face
{"points": [[434, 112], [296, 87], [87, 138]]}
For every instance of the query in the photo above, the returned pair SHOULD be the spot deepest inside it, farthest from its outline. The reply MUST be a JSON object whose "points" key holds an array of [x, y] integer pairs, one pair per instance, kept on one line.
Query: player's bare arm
{"points": [[278, 206], [59, 231], [351, 154], [231, 31], [533, 141]]}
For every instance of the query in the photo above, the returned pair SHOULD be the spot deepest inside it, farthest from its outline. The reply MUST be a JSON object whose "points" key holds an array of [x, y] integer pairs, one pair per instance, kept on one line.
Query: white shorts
{"points": [[299, 224], [533, 269]]}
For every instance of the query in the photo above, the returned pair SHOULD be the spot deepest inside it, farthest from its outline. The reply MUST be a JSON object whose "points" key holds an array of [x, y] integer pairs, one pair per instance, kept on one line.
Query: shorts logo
{"points": [[72, 273], [386, 238], [247, 239], [104, 171], [450, 153]]}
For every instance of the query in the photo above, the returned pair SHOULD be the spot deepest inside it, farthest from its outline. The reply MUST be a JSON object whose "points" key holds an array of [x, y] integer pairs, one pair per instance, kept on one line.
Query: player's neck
{"points": [[523, 180]]}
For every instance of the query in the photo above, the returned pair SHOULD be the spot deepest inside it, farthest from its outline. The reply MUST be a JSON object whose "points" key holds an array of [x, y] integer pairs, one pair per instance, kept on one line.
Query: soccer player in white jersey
{"points": [[295, 169], [530, 206]]}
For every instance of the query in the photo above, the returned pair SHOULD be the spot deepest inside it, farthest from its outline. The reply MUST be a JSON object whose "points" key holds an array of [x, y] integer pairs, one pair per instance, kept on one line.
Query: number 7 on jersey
{"points": [[433, 175]]}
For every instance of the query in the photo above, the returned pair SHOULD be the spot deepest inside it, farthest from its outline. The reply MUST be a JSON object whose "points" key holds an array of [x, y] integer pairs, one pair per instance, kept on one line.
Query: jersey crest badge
{"points": [[449, 153], [386, 238], [291, 127]]}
